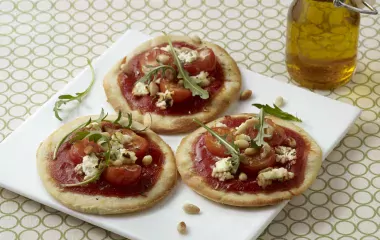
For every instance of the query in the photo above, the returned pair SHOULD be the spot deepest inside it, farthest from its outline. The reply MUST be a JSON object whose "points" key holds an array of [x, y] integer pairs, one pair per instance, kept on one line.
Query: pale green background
{"points": [[44, 45]]}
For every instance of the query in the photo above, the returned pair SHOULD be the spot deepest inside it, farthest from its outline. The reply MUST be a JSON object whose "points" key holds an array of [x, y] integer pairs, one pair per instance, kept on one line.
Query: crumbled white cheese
{"points": [[280, 174], [202, 79], [219, 124], [185, 55], [140, 89], [119, 137], [285, 154], [246, 125], [165, 100], [89, 166], [223, 169], [126, 157], [78, 169]]}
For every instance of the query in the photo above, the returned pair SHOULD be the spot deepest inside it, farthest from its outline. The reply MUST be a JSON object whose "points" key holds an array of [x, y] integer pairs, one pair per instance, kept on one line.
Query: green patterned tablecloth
{"points": [[43, 45]]}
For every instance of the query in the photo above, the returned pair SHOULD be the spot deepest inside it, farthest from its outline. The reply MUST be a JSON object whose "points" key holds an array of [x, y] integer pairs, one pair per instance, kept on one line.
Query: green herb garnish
{"points": [[119, 115], [65, 137], [259, 139], [153, 72], [277, 112], [93, 136], [188, 82], [231, 148], [64, 99]]}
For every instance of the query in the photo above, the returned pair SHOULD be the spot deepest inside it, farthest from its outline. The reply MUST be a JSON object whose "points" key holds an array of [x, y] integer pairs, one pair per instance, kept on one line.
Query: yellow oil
{"points": [[322, 43]]}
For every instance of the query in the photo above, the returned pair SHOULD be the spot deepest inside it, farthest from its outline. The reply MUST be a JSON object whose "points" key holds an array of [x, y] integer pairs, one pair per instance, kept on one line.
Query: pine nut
{"points": [[181, 228], [191, 208], [292, 143], [153, 88], [88, 150], [242, 144], [243, 177], [162, 58], [250, 151], [147, 160], [279, 102], [243, 137], [246, 94], [196, 39]]}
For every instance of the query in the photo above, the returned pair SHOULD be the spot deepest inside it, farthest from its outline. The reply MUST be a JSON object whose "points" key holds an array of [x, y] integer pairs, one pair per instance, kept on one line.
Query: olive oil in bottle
{"points": [[322, 42]]}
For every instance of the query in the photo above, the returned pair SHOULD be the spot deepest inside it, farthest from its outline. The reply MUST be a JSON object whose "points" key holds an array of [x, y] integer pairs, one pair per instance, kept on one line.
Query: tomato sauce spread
{"points": [[62, 170], [147, 103], [204, 160]]}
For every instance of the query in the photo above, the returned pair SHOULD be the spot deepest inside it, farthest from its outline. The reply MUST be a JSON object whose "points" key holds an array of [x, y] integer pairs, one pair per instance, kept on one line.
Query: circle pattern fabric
{"points": [[44, 44]]}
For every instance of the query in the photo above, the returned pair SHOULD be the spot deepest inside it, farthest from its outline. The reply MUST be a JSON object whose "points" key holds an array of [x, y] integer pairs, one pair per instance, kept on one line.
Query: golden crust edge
{"points": [[97, 204], [184, 166], [177, 124]]}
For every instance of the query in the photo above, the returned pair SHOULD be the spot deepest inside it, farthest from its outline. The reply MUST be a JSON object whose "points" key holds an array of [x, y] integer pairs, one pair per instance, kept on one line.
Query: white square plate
{"points": [[325, 119]]}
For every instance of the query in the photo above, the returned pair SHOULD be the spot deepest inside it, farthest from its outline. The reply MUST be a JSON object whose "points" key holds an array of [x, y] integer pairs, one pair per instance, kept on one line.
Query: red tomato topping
{"points": [[213, 145], [124, 175], [77, 150], [205, 62], [138, 145], [278, 136], [180, 94]]}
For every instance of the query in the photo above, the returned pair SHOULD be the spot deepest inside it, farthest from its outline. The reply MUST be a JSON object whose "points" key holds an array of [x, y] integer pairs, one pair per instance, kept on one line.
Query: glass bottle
{"points": [[322, 43]]}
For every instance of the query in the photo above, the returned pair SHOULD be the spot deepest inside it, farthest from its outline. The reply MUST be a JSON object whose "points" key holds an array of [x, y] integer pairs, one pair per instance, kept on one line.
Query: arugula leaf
{"points": [[231, 148], [129, 115], [118, 118], [101, 117], [188, 82], [259, 139], [67, 135], [277, 112], [107, 156], [79, 136], [147, 78], [64, 99]]}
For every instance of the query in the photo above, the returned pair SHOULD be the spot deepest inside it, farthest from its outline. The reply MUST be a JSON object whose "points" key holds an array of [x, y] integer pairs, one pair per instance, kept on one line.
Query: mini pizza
{"points": [[106, 166], [244, 160], [169, 80]]}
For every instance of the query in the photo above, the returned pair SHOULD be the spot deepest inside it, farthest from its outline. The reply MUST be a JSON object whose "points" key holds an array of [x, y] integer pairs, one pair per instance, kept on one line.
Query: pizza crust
{"points": [[199, 185], [229, 92], [97, 204]]}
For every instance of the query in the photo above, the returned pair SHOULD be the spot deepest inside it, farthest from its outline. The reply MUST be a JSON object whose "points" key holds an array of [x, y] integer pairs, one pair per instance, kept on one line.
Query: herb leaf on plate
{"points": [[66, 98], [277, 112]]}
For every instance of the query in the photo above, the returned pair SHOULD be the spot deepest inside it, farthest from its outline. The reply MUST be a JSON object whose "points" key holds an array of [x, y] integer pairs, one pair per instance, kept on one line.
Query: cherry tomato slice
{"points": [[255, 163], [205, 62], [76, 152], [278, 136], [213, 145], [138, 145], [123, 175], [180, 94]]}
